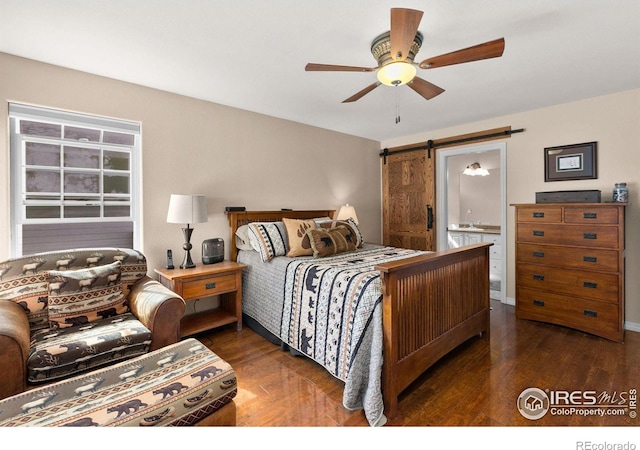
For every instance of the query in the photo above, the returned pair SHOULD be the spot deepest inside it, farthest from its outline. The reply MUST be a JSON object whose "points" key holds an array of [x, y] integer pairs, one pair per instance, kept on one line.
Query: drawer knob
{"points": [[590, 216], [538, 254], [210, 286], [590, 235], [538, 302], [538, 277], [590, 284], [588, 312], [538, 215], [590, 259], [538, 233]]}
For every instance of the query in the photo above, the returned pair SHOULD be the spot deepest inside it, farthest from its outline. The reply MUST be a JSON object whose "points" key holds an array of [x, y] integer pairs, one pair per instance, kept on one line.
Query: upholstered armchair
{"points": [[67, 312]]}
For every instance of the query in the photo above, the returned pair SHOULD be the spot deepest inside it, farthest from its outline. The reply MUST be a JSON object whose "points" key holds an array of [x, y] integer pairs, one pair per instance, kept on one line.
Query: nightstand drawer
{"points": [[204, 287], [223, 279]]}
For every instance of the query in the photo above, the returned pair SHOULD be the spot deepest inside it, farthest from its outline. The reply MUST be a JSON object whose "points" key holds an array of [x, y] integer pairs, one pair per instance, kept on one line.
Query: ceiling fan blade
{"points": [[404, 26], [311, 67], [491, 49], [424, 88], [362, 93]]}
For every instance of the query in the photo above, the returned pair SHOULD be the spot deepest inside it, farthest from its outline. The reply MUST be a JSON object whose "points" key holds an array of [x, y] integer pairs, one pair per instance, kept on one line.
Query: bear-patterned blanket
{"points": [[332, 314]]}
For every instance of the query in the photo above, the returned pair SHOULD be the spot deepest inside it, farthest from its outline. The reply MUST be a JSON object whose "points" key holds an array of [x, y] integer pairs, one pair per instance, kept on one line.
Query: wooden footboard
{"points": [[431, 304]]}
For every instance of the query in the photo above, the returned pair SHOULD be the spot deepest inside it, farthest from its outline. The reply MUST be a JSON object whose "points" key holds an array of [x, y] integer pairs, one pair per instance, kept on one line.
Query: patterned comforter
{"points": [[329, 309]]}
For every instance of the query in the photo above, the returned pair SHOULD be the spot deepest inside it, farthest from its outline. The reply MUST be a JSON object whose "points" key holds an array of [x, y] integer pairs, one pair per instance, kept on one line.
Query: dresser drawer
{"points": [[206, 286], [546, 214], [587, 315], [600, 236], [578, 283], [586, 215], [572, 257]]}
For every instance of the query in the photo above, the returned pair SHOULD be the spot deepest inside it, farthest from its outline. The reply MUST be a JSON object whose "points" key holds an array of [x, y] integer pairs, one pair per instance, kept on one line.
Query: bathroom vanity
{"points": [[464, 234]]}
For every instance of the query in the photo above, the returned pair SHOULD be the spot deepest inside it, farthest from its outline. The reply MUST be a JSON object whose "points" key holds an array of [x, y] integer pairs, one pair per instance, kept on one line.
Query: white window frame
{"points": [[18, 141]]}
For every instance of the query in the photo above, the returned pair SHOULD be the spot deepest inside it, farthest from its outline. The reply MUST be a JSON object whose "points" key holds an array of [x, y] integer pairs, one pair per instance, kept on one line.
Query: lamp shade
{"points": [[347, 211], [187, 209]]}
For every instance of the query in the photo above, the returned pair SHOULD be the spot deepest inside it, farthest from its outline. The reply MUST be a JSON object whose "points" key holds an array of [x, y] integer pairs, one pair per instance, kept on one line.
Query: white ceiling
{"points": [[250, 54]]}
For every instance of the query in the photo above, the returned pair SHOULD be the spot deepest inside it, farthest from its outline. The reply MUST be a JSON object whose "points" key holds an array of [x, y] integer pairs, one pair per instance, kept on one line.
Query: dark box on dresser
{"points": [[568, 197]]}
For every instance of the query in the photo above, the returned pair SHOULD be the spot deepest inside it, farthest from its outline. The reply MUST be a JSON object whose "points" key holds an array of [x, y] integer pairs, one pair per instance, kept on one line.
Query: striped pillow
{"points": [[269, 239]]}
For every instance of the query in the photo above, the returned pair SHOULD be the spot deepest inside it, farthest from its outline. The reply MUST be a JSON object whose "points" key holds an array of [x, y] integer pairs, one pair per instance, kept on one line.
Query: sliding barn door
{"points": [[408, 182]]}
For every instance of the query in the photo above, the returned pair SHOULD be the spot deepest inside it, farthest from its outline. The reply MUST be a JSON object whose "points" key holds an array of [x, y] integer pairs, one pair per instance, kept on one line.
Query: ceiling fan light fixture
{"points": [[396, 73]]}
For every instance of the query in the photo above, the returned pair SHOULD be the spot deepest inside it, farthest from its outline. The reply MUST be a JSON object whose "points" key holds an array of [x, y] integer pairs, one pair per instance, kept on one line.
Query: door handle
{"points": [[429, 217]]}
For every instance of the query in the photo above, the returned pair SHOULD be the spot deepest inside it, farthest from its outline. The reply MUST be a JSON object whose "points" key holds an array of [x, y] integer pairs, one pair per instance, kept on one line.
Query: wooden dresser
{"points": [[570, 266]]}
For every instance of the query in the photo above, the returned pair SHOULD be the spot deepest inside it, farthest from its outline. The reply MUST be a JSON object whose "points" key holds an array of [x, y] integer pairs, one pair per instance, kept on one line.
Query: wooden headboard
{"points": [[239, 218]]}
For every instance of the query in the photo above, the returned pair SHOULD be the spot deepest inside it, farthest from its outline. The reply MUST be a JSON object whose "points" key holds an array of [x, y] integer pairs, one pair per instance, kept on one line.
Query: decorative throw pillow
{"points": [[349, 224], [326, 242], [78, 297], [268, 239], [134, 267], [297, 235]]}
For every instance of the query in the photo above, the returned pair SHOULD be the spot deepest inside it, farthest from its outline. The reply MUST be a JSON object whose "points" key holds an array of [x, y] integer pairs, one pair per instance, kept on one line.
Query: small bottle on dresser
{"points": [[621, 193]]}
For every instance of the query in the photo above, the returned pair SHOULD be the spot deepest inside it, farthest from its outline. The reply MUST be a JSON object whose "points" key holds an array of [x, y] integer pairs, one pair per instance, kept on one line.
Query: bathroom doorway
{"points": [[472, 207]]}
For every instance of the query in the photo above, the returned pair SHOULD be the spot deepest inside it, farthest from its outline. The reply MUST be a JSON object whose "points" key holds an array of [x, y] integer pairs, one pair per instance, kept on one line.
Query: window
{"points": [[75, 180]]}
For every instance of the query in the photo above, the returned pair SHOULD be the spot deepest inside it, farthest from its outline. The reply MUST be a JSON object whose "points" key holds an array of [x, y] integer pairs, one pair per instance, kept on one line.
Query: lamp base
{"points": [[187, 263]]}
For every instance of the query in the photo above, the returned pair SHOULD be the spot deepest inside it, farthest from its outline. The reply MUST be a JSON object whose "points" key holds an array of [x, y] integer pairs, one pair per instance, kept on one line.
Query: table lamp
{"points": [[187, 209], [347, 211]]}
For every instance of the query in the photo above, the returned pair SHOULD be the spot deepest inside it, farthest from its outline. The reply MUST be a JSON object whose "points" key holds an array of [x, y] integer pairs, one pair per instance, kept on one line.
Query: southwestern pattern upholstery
{"points": [[59, 353], [146, 315], [80, 297], [180, 384]]}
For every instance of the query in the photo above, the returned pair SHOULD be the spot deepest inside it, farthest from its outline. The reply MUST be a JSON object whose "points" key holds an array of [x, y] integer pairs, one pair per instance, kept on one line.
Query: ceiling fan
{"points": [[395, 51]]}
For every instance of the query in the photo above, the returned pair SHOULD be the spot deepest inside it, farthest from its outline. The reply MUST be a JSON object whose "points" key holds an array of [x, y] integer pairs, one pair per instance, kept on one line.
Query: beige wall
{"points": [[234, 157], [614, 122]]}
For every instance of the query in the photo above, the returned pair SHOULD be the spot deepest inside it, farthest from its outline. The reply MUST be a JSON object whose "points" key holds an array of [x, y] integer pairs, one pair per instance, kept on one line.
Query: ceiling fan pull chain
{"points": [[397, 107]]}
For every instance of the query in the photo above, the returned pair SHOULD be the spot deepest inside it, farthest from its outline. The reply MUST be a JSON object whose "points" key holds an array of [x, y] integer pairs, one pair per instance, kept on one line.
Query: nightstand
{"points": [[223, 279]]}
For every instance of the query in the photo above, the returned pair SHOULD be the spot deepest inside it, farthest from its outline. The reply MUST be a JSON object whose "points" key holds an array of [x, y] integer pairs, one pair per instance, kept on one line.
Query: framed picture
{"points": [[571, 162]]}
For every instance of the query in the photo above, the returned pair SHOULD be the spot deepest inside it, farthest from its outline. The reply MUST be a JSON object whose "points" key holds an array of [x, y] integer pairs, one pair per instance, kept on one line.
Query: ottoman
{"points": [[181, 384]]}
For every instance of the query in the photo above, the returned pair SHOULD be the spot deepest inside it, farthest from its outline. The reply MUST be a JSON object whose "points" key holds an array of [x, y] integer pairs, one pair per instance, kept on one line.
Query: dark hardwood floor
{"points": [[478, 384]]}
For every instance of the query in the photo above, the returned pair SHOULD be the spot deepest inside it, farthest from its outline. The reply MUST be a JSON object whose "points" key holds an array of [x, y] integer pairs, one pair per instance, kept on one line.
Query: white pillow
{"points": [[242, 238]]}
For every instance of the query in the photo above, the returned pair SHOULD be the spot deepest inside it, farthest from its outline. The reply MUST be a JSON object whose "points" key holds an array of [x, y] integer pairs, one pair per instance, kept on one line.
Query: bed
{"points": [[402, 310]]}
